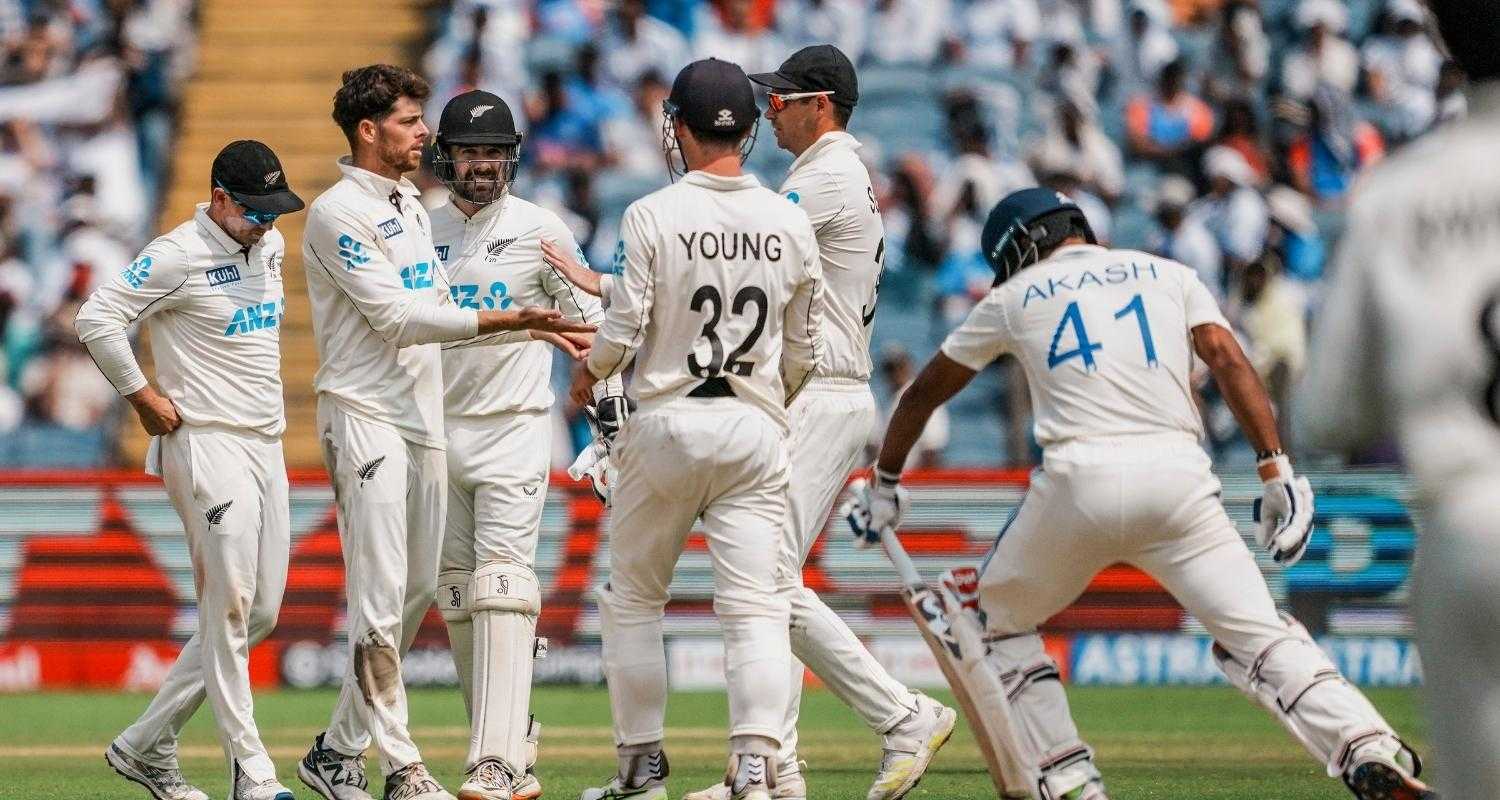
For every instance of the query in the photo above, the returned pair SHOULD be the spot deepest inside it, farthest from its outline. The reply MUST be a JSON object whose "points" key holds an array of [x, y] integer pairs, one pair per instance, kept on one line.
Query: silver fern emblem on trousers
{"points": [[216, 514], [368, 469]]}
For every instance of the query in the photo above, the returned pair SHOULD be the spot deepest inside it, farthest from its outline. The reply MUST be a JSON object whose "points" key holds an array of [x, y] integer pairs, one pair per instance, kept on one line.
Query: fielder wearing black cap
{"points": [[818, 68], [252, 176], [715, 101], [477, 147]]}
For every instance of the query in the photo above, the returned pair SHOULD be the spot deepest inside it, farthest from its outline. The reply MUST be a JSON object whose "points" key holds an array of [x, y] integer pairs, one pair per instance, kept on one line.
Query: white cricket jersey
{"points": [[721, 293], [380, 303], [1408, 341], [494, 262], [213, 309], [1104, 338], [831, 184]]}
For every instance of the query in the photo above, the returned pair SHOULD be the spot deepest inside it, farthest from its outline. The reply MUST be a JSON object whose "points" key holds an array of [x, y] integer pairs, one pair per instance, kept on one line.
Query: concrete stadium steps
{"points": [[268, 71]]}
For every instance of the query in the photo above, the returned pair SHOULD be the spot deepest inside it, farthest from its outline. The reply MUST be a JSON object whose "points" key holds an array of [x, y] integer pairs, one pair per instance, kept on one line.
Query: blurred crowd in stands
{"points": [[1223, 133], [87, 90]]}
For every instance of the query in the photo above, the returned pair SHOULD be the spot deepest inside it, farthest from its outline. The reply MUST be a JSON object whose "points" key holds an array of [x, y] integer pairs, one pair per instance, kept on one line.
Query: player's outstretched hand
{"points": [[1285, 512], [536, 318], [876, 509], [572, 271], [575, 345]]}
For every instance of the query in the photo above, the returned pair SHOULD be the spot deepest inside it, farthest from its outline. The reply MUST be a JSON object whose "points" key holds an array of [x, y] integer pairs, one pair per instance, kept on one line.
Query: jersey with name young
{"points": [[720, 292], [1104, 337], [831, 184], [214, 310], [494, 262]]}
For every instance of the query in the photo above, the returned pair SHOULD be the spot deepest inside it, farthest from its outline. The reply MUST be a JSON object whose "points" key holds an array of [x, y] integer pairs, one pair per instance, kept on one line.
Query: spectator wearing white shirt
{"points": [[1403, 66], [842, 23], [998, 33], [1323, 56], [1146, 47], [636, 43], [727, 32], [1182, 236], [1075, 142], [908, 32], [1233, 210]]}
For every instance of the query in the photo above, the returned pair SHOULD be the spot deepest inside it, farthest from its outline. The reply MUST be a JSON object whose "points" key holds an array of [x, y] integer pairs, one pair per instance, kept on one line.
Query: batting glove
{"points": [[876, 509], [609, 415], [595, 464], [1285, 513]]}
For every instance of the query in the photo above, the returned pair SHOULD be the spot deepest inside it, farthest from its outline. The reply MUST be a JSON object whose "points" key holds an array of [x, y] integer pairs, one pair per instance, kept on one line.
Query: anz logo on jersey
{"points": [[138, 272], [417, 276], [256, 317], [466, 295]]}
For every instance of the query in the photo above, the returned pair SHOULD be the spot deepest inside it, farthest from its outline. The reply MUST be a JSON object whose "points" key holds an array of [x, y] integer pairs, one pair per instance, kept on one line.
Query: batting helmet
{"points": [[477, 118], [1025, 223]]}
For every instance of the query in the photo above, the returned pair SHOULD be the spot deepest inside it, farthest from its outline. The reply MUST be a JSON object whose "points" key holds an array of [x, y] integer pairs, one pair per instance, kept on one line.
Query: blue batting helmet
{"points": [[1026, 222]]}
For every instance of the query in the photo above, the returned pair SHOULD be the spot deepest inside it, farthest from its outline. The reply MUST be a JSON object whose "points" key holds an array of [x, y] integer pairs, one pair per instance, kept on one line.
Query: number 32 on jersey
{"points": [[1071, 325]]}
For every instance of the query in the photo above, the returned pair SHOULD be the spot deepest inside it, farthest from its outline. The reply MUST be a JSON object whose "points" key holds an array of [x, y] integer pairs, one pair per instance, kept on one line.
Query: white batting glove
{"points": [[595, 464], [1285, 513], [876, 509]]}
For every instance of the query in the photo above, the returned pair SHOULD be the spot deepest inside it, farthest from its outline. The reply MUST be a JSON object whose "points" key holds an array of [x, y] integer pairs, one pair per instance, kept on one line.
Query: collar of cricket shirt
{"points": [[1076, 250], [831, 140], [379, 185], [720, 183], [220, 237]]}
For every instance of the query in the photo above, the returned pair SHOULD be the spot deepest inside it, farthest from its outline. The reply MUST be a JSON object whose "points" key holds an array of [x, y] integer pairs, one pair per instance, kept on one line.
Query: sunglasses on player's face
{"points": [[256, 218], [779, 101]]}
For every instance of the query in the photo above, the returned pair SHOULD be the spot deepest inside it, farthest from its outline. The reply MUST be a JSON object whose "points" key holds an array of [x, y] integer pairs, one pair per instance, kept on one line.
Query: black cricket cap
{"points": [[477, 117], [252, 175], [714, 96], [819, 68]]}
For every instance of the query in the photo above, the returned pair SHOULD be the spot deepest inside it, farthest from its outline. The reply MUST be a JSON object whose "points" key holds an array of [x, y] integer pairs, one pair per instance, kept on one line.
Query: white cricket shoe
{"points": [[647, 780], [164, 783], [750, 777], [490, 779], [247, 788], [909, 749], [527, 788], [790, 784], [332, 774], [414, 782], [1386, 769]]}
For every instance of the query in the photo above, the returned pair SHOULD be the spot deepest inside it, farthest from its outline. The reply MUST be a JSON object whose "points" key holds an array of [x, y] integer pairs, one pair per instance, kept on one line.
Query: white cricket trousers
{"points": [[725, 462], [1457, 603], [831, 422], [391, 495], [498, 469], [230, 489]]}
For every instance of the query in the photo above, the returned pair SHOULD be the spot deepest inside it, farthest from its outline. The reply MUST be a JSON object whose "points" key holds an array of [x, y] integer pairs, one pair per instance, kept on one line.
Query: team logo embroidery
{"points": [[497, 247], [504, 583], [478, 111], [725, 119], [794, 197], [273, 267], [367, 470], [391, 227], [272, 176], [216, 514], [442, 251], [530, 490], [352, 252], [138, 272], [219, 276], [457, 598]]}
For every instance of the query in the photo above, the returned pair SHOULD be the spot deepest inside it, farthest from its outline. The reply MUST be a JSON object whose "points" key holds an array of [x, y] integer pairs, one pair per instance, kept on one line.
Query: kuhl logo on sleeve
{"points": [[391, 227], [442, 252]]}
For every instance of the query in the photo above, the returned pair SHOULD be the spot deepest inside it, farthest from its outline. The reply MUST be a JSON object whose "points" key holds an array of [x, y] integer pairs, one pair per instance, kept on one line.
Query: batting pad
{"points": [[505, 600]]}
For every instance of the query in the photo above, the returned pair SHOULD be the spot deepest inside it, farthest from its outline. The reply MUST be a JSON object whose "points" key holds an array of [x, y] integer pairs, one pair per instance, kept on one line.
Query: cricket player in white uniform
{"points": [[381, 305], [1107, 339], [209, 292], [496, 401], [811, 97], [720, 304], [1408, 348]]}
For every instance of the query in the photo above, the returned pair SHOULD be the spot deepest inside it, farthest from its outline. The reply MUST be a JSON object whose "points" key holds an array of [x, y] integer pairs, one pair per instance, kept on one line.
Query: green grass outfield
{"points": [[1152, 743]]}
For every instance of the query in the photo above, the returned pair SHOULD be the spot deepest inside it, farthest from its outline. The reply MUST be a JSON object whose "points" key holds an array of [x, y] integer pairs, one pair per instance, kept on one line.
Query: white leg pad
{"points": [[505, 599], [1294, 679], [453, 603], [1034, 690]]}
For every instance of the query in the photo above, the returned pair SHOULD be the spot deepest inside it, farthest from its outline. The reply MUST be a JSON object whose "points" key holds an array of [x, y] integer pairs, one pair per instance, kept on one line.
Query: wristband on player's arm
{"points": [[885, 479], [1273, 464]]}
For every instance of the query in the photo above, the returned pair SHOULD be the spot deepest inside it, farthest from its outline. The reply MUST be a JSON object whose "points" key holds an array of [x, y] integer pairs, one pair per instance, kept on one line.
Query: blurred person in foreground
{"points": [[1408, 346], [210, 291], [380, 306], [1118, 333]]}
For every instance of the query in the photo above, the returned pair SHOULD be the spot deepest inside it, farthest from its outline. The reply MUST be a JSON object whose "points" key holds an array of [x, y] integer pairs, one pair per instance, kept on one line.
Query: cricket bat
{"points": [[956, 639]]}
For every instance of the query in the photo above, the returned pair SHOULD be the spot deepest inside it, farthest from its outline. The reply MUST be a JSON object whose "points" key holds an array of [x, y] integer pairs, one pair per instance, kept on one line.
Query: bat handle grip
{"points": [[897, 554]]}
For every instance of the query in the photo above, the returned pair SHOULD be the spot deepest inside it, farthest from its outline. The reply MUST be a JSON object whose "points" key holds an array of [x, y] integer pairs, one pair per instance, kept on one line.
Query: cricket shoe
{"points": [[1387, 770], [490, 779], [527, 788], [646, 779], [247, 788], [789, 784], [164, 783], [332, 774], [750, 777], [909, 749], [414, 782]]}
